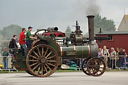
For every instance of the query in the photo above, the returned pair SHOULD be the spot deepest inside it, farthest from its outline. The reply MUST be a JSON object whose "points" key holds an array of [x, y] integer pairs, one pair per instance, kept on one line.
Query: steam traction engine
{"points": [[43, 58]]}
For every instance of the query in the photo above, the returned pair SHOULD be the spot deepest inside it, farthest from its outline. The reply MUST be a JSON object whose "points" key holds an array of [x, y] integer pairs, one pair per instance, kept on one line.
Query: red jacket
{"points": [[22, 38]]}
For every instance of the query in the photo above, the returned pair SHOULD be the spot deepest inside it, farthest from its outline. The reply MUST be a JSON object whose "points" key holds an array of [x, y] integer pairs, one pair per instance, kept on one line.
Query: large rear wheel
{"points": [[42, 60]]}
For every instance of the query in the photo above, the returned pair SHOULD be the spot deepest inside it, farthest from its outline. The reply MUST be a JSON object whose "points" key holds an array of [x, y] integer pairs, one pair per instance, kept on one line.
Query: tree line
{"points": [[7, 32]]}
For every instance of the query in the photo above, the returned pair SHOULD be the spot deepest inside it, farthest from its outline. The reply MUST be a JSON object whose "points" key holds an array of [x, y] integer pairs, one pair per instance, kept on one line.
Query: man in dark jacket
{"points": [[13, 44]]}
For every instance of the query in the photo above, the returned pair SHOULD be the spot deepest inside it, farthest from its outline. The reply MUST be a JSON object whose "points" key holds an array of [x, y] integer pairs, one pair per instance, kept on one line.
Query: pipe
{"points": [[91, 27]]}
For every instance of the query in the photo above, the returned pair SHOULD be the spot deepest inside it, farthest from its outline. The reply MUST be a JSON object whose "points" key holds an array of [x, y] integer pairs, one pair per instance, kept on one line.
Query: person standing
{"points": [[105, 55], [22, 41], [12, 43], [117, 56], [5, 58], [121, 55], [124, 51], [12, 46], [112, 58], [29, 37], [100, 53], [124, 61]]}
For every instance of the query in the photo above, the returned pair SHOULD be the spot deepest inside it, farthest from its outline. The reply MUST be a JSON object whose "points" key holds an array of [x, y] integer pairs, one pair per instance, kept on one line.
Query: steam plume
{"points": [[90, 7]]}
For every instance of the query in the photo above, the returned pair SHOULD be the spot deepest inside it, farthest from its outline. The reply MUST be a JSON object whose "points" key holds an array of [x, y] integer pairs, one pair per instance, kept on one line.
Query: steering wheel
{"points": [[45, 30], [38, 30]]}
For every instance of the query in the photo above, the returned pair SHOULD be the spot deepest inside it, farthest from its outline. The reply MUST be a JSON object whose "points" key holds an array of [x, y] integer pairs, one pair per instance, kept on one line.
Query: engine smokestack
{"points": [[78, 31], [91, 27]]}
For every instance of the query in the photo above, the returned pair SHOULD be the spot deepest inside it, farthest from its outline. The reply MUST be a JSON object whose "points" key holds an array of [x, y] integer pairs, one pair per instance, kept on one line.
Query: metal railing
{"points": [[9, 63]]}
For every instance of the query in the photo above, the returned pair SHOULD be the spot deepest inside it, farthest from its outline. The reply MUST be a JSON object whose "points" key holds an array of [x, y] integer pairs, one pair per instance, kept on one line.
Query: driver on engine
{"points": [[29, 37]]}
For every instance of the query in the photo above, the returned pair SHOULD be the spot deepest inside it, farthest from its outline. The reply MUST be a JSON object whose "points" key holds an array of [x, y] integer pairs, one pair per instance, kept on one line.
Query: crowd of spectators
{"points": [[114, 58]]}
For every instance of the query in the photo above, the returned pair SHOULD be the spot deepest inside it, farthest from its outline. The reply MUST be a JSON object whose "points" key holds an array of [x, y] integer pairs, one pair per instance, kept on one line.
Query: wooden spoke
{"points": [[33, 60], [51, 64], [38, 51], [49, 54], [39, 69], [100, 70], [36, 54], [46, 52], [51, 57], [42, 51], [42, 70], [51, 60], [91, 66], [35, 67], [33, 57], [33, 64], [48, 67]]}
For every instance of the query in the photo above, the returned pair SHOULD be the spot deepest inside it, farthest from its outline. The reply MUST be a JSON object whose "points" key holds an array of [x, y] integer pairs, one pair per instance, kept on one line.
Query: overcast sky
{"points": [[61, 13]]}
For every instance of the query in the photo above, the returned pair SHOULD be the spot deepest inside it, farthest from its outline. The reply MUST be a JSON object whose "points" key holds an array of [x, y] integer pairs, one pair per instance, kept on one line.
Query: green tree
{"points": [[11, 30], [68, 31], [104, 23]]}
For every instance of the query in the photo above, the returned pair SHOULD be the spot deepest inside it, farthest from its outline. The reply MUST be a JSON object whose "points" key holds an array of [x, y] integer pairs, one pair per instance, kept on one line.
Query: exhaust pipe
{"points": [[93, 45], [91, 27]]}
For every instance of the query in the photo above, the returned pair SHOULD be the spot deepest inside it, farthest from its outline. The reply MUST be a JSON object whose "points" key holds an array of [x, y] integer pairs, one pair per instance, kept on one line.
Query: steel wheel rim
{"points": [[84, 66], [96, 66], [42, 60]]}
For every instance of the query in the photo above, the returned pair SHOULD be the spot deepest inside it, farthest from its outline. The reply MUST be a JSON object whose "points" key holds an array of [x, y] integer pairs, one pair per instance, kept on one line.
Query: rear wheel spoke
{"points": [[46, 52], [42, 70], [35, 67], [38, 51], [51, 57], [33, 64], [36, 54], [49, 54], [33, 60], [51, 64], [33, 57], [42, 51], [39, 69], [48, 67], [52, 61]]}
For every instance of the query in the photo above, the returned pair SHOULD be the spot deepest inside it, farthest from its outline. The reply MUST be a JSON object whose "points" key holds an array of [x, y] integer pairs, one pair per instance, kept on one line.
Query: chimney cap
{"points": [[90, 16]]}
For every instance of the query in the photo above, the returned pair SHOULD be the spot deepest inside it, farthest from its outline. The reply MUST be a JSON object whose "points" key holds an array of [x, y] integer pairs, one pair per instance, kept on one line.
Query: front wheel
{"points": [[96, 66]]}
